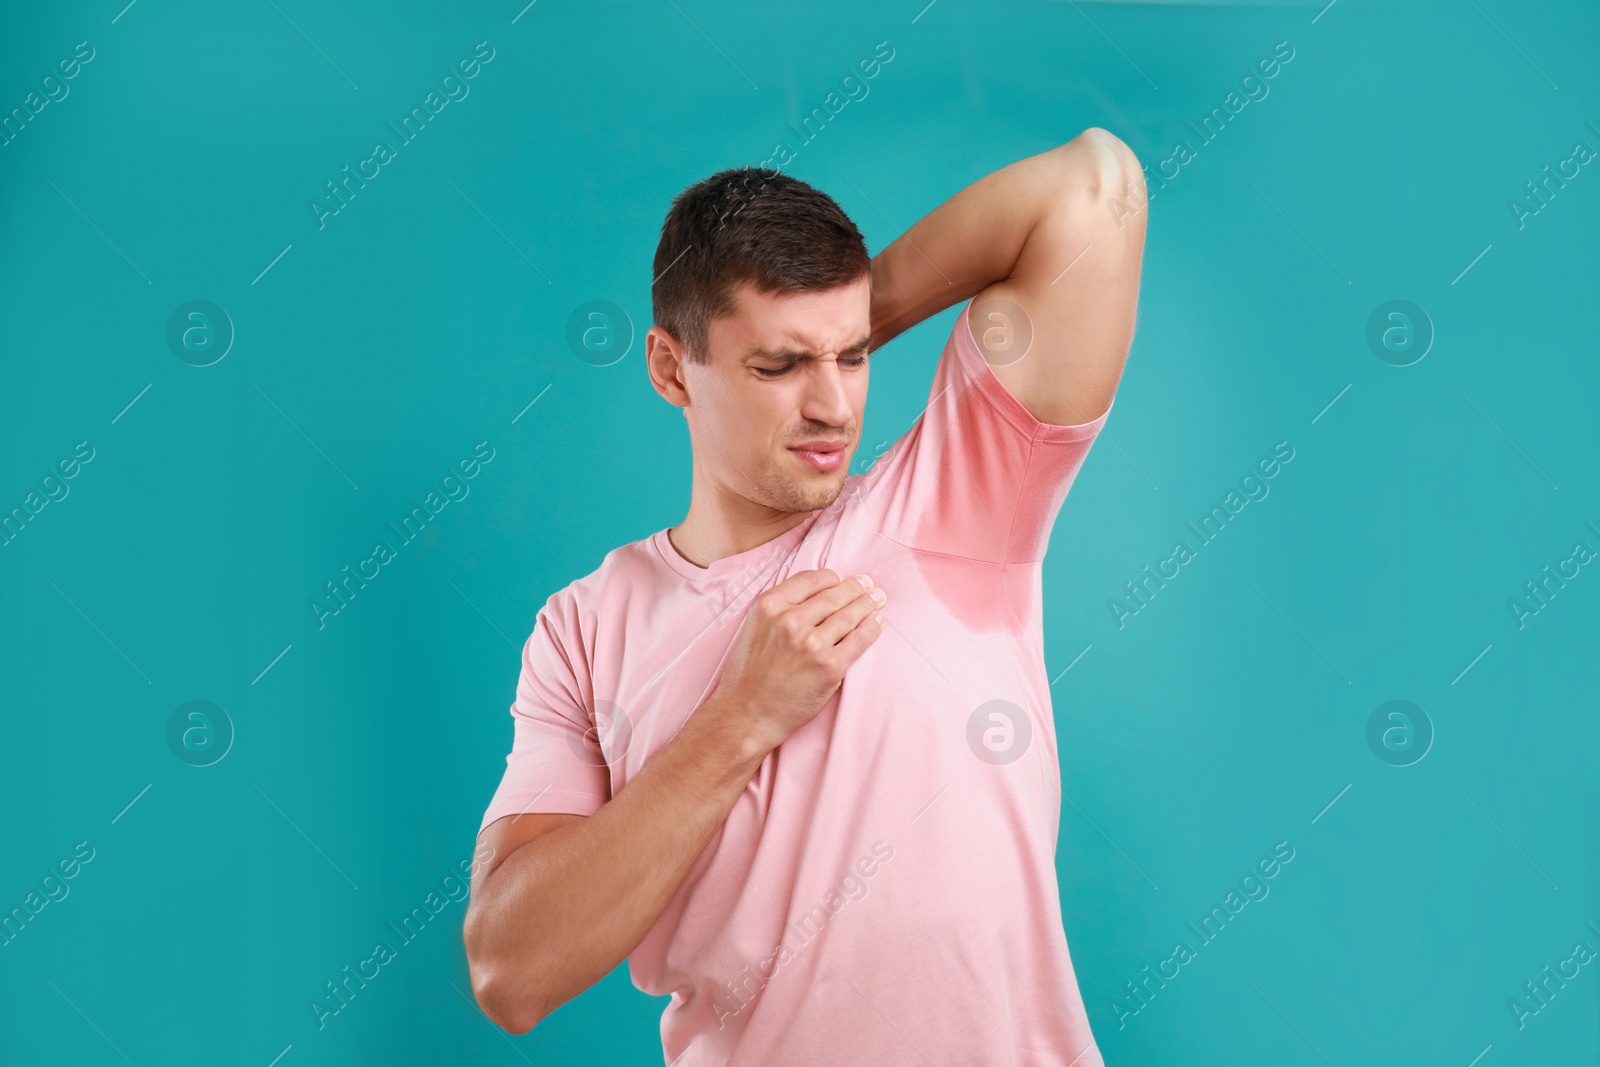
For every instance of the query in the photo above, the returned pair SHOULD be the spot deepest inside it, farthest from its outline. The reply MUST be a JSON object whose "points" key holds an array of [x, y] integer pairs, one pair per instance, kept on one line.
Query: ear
{"points": [[665, 359]]}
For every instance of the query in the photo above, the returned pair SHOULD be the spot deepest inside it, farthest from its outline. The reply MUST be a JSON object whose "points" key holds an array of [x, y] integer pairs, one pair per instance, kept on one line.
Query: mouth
{"points": [[822, 456]]}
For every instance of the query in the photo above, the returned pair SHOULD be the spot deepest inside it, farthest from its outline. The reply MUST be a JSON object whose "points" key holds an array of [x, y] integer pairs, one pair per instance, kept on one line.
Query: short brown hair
{"points": [[747, 224]]}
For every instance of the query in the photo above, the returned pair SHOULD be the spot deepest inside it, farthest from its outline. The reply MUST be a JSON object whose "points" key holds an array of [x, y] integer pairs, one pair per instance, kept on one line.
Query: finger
{"points": [[815, 610], [797, 588], [857, 640], [836, 626]]}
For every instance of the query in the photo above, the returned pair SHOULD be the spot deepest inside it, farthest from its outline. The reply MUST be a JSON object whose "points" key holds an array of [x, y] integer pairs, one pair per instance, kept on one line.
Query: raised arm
{"points": [[1058, 236]]}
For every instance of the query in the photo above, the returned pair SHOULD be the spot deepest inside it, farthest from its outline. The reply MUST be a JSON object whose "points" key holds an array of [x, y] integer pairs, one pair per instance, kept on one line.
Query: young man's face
{"points": [[775, 413]]}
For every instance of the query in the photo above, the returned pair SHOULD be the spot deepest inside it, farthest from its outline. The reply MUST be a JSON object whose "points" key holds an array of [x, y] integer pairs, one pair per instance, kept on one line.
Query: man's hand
{"points": [[791, 654]]}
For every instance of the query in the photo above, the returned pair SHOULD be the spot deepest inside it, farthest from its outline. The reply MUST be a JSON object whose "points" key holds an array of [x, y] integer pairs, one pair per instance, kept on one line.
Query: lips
{"points": [[821, 456]]}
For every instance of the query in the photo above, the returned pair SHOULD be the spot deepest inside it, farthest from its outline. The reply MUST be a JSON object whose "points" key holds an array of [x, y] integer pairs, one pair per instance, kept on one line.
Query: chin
{"points": [[825, 495], [813, 495]]}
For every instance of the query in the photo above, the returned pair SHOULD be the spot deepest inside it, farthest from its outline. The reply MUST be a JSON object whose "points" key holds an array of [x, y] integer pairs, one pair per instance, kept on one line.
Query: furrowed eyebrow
{"points": [[787, 356]]}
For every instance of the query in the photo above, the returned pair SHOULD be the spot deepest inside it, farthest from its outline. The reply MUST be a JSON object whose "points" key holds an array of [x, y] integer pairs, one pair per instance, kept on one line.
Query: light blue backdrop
{"points": [[369, 351]]}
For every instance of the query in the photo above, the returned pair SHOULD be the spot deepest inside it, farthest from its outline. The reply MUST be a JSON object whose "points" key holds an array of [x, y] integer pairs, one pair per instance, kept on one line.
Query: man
{"points": [[823, 805]]}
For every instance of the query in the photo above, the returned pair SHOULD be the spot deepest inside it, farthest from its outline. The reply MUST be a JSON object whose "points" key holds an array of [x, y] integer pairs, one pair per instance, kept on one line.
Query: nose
{"points": [[826, 399]]}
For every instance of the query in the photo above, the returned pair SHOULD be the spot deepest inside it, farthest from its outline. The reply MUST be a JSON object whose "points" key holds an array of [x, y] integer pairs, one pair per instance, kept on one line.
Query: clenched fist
{"points": [[790, 655]]}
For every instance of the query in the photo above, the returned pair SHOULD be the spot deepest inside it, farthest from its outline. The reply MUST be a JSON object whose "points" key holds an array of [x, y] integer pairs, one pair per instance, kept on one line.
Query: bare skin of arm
{"points": [[1060, 236], [565, 898]]}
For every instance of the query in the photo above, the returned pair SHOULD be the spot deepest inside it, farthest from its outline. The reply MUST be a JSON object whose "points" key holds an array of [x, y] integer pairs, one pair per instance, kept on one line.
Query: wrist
{"points": [[727, 733]]}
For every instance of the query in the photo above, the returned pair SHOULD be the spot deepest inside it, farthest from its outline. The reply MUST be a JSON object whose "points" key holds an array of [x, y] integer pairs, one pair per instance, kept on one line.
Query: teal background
{"points": [[1228, 715]]}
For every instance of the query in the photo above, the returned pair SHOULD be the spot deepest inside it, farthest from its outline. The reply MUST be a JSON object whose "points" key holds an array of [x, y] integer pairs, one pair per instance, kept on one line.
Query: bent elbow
{"points": [[1097, 163], [1111, 146], [502, 994], [511, 1013], [516, 1024]]}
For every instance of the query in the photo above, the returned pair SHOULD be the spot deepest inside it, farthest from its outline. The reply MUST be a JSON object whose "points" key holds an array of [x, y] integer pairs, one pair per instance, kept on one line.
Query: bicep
{"points": [[1073, 296]]}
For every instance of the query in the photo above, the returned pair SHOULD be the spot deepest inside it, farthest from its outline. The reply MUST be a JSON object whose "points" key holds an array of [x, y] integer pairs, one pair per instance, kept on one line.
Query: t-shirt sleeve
{"points": [[555, 764], [976, 475]]}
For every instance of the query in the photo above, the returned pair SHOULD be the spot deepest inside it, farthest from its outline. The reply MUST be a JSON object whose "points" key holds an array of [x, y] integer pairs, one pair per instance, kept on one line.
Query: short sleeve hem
{"points": [[548, 802], [1015, 412]]}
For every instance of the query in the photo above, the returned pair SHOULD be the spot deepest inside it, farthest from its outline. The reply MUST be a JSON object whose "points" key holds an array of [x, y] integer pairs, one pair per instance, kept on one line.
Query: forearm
{"points": [[563, 910], [977, 236]]}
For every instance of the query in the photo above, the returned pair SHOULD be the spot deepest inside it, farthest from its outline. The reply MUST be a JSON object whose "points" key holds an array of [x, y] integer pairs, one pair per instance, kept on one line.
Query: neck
{"points": [[721, 524]]}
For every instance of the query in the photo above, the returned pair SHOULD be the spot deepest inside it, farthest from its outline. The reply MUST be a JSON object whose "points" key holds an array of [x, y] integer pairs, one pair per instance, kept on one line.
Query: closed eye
{"points": [[853, 362]]}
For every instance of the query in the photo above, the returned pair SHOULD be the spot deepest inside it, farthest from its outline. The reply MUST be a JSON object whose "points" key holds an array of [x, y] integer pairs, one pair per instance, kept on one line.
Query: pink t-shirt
{"points": [[884, 890]]}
